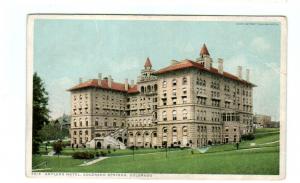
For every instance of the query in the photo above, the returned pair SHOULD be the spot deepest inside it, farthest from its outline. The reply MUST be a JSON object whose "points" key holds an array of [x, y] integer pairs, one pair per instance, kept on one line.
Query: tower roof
{"points": [[148, 63], [204, 50]]}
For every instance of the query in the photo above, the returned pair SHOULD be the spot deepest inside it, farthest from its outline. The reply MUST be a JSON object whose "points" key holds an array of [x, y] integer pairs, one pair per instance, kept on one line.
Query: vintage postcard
{"points": [[153, 96]]}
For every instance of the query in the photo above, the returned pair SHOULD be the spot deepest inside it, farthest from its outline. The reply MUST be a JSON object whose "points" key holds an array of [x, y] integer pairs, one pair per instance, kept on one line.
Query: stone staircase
{"points": [[118, 132], [109, 140]]}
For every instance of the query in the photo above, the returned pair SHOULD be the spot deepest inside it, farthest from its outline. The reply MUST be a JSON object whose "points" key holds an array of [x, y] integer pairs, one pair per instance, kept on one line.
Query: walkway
{"points": [[93, 161]]}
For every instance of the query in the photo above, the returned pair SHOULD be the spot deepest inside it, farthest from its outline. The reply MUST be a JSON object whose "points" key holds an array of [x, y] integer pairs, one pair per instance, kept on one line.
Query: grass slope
{"points": [[260, 159]]}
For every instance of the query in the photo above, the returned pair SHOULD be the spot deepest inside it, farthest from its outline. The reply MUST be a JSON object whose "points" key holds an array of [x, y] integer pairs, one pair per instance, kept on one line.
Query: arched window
{"points": [[184, 81], [74, 133], [174, 115], [184, 131], [165, 134], [164, 115], [114, 124], [142, 89], [98, 135], [174, 134], [174, 82], [80, 132], [155, 87], [184, 114], [148, 88], [86, 132]]}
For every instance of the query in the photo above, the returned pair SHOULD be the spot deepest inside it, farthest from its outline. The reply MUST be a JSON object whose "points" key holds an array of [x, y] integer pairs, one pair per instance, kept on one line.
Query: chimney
{"points": [[247, 75], [109, 81], [99, 79], [80, 80], [132, 83], [126, 84], [220, 65], [239, 72]]}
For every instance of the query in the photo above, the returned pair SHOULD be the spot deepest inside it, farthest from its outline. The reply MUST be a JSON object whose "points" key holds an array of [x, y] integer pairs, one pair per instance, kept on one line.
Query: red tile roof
{"points": [[191, 64], [204, 50], [104, 85], [148, 63]]}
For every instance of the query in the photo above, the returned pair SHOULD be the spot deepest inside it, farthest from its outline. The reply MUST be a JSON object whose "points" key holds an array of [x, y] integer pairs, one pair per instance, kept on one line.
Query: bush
{"points": [[108, 152], [249, 136], [103, 153], [83, 155], [57, 147], [66, 143], [192, 152], [97, 154]]}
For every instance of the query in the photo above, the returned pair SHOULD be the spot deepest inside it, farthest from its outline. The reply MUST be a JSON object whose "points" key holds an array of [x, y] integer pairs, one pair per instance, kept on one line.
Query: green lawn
{"points": [[222, 159]]}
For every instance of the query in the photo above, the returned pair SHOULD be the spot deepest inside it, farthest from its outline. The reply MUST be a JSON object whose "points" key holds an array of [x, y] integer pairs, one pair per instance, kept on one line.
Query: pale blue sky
{"points": [[65, 50]]}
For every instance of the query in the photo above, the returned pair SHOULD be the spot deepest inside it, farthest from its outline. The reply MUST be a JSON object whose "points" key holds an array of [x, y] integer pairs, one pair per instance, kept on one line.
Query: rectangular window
{"points": [[164, 102], [174, 101], [184, 92], [174, 92], [184, 100]]}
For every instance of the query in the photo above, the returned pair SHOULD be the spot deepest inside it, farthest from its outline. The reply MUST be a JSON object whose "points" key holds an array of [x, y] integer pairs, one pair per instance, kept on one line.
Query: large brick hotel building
{"points": [[188, 103]]}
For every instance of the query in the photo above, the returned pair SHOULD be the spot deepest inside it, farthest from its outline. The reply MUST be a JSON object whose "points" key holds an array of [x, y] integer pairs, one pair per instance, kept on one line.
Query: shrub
{"points": [[97, 154], [192, 152], [249, 136], [57, 147], [103, 153], [66, 143], [83, 155]]}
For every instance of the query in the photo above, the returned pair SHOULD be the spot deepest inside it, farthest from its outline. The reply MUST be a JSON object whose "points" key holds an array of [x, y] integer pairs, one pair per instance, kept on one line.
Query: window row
{"points": [[174, 115], [174, 82]]}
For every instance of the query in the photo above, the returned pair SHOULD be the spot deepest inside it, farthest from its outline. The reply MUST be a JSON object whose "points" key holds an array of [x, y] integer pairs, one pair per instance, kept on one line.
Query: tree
{"points": [[40, 111], [57, 147], [53, 131]]}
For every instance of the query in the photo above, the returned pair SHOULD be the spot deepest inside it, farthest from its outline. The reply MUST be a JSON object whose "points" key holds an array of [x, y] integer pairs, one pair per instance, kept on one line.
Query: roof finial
{"points": [[204, 51], [148, 63]]}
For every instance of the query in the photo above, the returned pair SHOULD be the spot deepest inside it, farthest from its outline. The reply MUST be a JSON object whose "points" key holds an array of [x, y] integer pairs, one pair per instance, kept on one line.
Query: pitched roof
{"points": [[191, 64], [93, 83], [204, 50], [148, 63]]}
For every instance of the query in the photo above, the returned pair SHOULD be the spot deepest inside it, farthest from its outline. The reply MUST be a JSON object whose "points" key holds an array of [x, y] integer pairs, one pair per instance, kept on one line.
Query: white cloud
{"points": [[260, 45]]}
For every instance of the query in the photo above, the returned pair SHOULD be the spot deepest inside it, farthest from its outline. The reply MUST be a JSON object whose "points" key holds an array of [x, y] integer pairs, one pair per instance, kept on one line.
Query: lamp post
{"points": [[165, 143]]}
